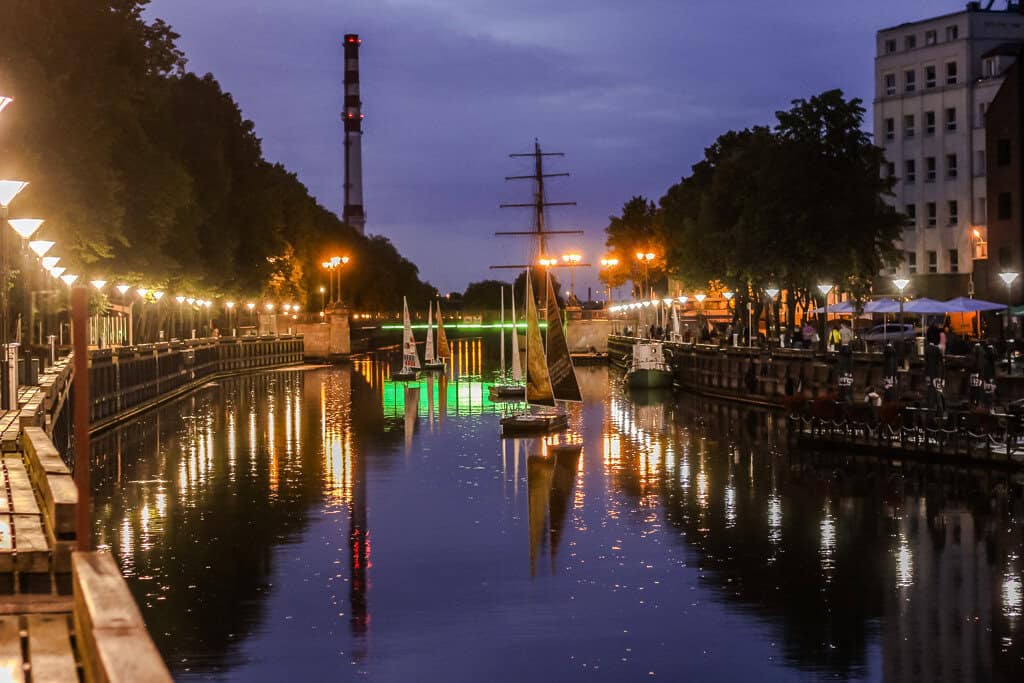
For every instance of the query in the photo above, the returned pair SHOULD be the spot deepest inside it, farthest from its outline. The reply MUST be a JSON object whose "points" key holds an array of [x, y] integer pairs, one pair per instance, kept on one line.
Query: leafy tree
{"points": [[485, 294]]}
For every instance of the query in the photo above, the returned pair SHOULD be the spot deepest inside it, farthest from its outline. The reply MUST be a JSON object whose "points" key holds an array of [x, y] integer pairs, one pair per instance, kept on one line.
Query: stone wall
{"points": [[582, 335], [328, 340]]}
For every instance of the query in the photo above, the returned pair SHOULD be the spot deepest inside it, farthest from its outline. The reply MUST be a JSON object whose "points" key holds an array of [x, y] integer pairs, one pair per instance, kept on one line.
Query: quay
{"points": [[65, 614], [804, 383]]}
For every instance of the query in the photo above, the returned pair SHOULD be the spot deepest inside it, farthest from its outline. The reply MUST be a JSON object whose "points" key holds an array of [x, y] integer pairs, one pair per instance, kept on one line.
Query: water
{"points": [[325, 525]]}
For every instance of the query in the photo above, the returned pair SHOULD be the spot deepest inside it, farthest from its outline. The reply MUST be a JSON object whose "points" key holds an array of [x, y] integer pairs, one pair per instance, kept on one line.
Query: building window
{"points": [[890, 84], [951, 166], [890, 46], [1004, 210], [953, 217], [952, 33], [933, 261], [931, 37], [909, 171], [1004, 258], [929, 169], [908, 126], [890, 169], [979, 163], [954, 261], [951, 118], [951, 73], [910, 42], [929, 76], [910, 211], [911, 262], [929, 123], [932, 214], [909, 81], [890, 129], [1003, 152], [982, 210]]}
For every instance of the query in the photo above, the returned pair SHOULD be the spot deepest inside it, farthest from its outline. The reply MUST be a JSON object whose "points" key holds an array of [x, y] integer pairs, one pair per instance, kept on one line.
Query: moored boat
{"points": [[431, 361], [504, 390], [410, 358], [647, 368]]}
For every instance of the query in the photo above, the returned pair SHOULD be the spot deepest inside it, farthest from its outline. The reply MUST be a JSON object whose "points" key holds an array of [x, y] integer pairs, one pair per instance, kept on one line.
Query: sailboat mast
{"points": [[502, 333]]}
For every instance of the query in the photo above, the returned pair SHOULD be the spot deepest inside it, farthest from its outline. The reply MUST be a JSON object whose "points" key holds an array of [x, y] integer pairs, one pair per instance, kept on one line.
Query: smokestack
{"points": [[352, 117]]}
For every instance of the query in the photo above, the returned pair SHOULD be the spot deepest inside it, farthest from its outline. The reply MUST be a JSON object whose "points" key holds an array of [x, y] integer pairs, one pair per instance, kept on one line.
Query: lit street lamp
{"points": [[40, 247], [1008, 277], [825, 288], [9, 189], [608, 263], [772, 292], [572, 259], [645, 258]]}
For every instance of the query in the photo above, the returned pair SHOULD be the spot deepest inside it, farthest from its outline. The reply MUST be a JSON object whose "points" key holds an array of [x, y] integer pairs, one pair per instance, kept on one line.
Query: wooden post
{"points": [[80, 341]]}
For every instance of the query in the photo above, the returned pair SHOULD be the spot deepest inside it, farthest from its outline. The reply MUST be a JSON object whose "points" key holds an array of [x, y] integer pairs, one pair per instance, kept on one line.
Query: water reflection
{"points": [[309, 523]]}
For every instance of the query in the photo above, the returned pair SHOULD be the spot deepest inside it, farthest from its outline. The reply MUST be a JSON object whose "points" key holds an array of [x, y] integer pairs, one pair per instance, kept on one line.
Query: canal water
{"points": [[329, 524]]}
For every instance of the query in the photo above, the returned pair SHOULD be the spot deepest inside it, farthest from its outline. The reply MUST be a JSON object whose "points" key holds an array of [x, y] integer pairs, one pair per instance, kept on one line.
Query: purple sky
{"points": [[631, 90]]}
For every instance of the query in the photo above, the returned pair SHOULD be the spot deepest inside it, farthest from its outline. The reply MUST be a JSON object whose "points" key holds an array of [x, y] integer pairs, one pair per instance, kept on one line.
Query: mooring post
{"points": [[79, 343]]}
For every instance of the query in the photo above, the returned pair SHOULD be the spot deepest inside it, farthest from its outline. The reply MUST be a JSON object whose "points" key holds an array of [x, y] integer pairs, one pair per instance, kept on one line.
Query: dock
{"points": [[65, 615]]}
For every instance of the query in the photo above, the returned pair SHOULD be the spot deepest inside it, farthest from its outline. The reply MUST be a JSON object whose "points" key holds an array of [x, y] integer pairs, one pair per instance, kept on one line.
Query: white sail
{"points": [[502, 334], [410, 359], [517, 365], [428, 351]]}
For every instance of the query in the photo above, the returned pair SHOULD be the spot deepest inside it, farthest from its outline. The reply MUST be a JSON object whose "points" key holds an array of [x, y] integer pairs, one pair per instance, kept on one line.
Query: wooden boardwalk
{"points": [[64, 615]]}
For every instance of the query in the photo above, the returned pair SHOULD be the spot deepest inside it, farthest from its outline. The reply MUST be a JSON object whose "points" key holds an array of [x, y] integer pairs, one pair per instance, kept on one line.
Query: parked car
{"points": [[890, 332]]}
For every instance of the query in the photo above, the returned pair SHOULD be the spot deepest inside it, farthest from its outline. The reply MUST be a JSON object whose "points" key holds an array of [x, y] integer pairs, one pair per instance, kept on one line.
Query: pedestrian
{"points": [[807, 333], [834, 338], [943, 338], [845, 334]]}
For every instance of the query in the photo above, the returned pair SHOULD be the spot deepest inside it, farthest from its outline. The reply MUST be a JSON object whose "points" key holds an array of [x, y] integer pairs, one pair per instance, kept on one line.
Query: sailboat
{"points": [[410, 359], [550, 375], [505, 389], [430, 360]]}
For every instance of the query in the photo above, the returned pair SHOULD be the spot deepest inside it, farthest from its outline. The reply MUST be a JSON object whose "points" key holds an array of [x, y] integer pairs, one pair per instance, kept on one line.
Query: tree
{"points": [[485, 295], [638, 230], [790, 207]]}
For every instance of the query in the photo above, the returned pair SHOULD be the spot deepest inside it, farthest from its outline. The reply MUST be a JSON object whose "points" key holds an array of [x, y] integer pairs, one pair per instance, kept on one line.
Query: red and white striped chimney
{"points": [[352, 117]]}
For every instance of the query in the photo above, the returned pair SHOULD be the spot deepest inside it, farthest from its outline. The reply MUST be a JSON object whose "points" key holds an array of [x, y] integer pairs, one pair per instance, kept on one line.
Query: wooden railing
{"points": [[125, 380]]}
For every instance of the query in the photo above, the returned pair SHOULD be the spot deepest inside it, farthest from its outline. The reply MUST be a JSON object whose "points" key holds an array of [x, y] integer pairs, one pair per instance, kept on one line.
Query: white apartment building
{"points": [[933, 81]]}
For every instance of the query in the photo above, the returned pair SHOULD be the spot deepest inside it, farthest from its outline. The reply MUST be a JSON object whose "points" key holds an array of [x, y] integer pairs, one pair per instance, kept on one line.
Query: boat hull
{"points": [[648, 379], [508, 392], [434, 366], [401, 376], [517, 425]]}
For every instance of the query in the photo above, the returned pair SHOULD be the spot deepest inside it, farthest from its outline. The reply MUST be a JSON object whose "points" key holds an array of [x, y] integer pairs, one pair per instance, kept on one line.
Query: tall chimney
{"points": [[353, 213]]}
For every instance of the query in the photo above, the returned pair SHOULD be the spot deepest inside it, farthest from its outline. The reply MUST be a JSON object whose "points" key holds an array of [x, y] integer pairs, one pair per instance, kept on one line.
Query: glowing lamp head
{"points": [[48, 262], [180, 299], [901, 283], [295, 307], [142, 291], [230, 304], [824, 289], [700, 297], [40, 247], [9, 189], [191, 301], [57, 271], [207, 303], [728, 295], [286, 307], [269, 307], [344, 260], [25, 227], [326, 264], [335, 260], [772, 292], [69, 279], [667, 302], [250, 305], [122, 288], [683, 299], [98, 284], [1008, 277], [158, 295], [321, 290]]}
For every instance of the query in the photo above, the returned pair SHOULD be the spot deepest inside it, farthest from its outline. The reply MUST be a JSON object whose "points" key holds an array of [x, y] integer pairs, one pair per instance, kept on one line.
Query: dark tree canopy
{"points": [[149, 174], [485, 295]]}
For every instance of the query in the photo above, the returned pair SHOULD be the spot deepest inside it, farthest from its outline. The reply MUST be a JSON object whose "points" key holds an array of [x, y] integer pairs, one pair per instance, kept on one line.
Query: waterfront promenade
{"points": [[67, 615]]}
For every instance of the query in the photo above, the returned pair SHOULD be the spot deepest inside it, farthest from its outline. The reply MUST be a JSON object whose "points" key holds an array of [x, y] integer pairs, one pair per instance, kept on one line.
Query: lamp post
{"points": [[1008, 277], [252, 315], [608, 263], [323, 305], [772, 292], [231, 309], [572, 259], [9, 189], [825, 288], [645, 258]]}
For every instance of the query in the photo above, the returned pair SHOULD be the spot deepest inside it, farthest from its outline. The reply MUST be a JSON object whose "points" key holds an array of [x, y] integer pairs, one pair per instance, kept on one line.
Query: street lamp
{"points": [[1008, 277], [25, 227], [901, 284], [122, 289], [825, 288], [69, 279], [547, 262], [57, 271], [572, 259], [608, 263], [49, 262], [98, 284], [9, 189], [323, 305], [41, 247], [645, 258], [772, 292]]}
